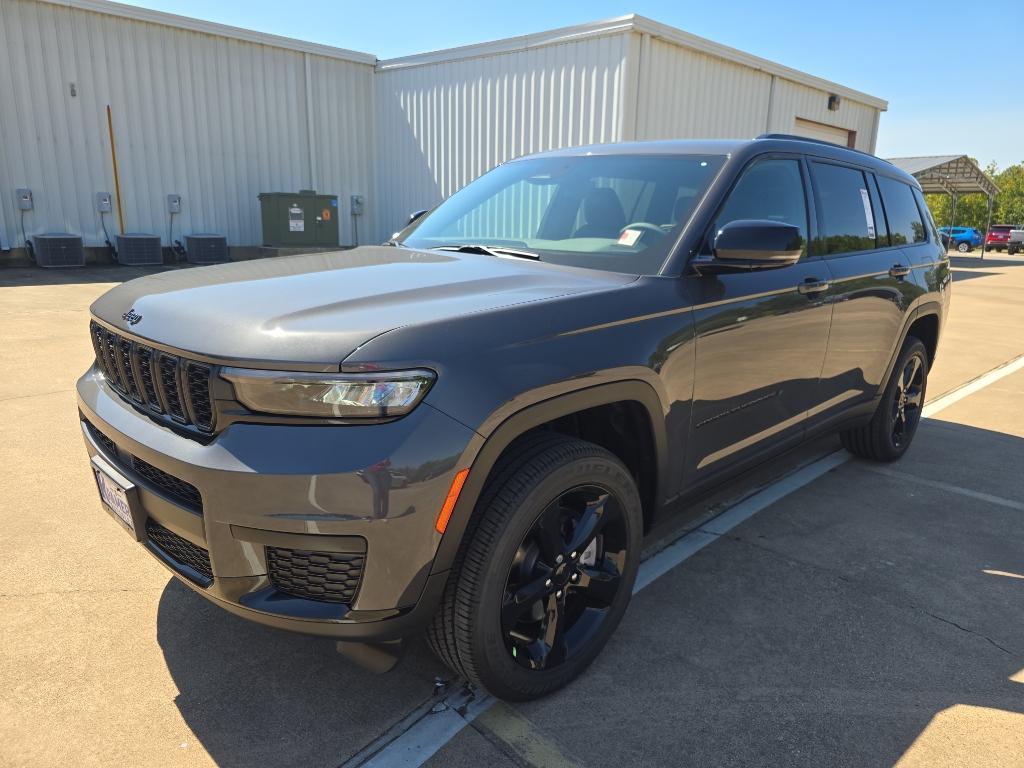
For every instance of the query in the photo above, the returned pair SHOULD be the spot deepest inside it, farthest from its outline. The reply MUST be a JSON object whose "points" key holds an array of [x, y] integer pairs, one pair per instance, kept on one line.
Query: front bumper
{"points": [[373, 491]]}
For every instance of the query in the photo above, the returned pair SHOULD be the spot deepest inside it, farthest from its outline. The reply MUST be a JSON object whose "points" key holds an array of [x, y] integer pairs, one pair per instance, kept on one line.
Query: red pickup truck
{"points": [[998, 236]]}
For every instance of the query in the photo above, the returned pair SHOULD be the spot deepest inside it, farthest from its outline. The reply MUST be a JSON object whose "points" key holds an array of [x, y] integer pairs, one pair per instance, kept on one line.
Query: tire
{"points": [[541, 496], [888, 435], [963, 247]]}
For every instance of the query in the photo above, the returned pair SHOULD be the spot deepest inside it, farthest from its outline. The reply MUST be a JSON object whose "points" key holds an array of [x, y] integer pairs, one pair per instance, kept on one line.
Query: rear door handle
{"points": [[812, 286], [899, 270]]}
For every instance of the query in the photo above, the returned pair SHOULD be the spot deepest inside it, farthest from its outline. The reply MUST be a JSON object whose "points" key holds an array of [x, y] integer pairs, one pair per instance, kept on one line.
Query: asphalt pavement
{"points": [[873, 616]]}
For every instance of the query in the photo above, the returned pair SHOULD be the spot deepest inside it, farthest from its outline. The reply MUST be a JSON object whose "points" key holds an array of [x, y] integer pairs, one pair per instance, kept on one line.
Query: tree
{"points": [[972, 210]]}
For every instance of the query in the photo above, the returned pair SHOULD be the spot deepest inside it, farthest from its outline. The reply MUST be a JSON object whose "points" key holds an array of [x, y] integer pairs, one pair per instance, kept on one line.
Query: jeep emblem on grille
{"points": [[131, 316]]}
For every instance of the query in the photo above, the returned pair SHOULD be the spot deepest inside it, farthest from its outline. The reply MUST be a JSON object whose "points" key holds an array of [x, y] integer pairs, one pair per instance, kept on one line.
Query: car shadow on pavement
{"points": [[873, 615], [259, 696], [977, 262]]}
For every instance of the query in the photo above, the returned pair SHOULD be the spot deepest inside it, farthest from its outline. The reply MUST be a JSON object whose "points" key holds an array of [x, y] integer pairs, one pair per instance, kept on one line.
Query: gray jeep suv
{"points": [[469, 430]]}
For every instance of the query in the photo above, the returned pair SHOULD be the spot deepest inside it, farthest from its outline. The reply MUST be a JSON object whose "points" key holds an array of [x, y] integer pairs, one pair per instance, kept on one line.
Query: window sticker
{"points": [[868, 217], [629, 237]]}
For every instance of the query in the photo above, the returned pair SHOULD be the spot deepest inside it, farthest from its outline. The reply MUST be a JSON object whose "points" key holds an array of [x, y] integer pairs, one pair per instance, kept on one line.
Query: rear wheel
{"points": [[963, 247], [547, 571], [892, 428]]}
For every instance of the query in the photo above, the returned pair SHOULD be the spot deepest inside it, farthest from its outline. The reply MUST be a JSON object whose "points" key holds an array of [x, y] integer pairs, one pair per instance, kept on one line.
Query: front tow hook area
{"points": [[375, 657]]}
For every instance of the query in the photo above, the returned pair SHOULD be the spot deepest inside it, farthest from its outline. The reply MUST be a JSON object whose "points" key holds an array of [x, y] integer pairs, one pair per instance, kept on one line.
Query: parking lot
{"points": [[865, 615]]}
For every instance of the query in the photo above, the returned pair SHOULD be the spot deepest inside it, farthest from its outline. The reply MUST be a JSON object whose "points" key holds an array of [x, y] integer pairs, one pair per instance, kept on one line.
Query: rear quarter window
{"points": [[905, 223]]}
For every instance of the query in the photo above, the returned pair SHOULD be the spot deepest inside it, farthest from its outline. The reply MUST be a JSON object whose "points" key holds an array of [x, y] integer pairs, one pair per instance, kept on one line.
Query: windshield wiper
{"points": [[489, 250]]}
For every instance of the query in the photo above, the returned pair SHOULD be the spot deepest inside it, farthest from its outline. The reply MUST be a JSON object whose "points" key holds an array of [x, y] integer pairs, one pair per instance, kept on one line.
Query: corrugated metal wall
{"points": [[214, 119], [688, 94], [793, 100], [441, 125], [220, 117]]}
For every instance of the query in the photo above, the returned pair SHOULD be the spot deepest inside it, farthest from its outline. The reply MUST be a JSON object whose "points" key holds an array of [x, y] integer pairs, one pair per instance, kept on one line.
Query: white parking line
{"points": [[1002, 371], [414, 745], [979, 495]]}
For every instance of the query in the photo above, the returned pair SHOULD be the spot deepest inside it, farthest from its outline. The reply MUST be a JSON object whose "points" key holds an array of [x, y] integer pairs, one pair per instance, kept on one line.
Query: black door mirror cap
{"points": [[416, 215], [749, 244]]}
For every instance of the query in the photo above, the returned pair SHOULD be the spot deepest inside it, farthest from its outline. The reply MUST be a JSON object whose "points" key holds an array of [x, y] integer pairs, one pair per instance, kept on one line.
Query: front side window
{"points": [[771, 189], [848, 217], [905, 224], [620, 213]]}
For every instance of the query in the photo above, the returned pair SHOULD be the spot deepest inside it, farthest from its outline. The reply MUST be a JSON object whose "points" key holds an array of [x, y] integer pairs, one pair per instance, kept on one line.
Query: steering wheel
{"points": [[646, 228]]}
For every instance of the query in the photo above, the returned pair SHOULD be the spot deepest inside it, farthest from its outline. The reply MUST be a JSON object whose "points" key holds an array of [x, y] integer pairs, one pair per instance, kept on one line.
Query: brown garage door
{"points": [[814, 130]]}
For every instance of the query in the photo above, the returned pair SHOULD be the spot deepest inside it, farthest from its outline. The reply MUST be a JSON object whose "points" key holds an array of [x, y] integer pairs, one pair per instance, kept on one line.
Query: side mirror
{"points": [[748, 244], [418, 214]]}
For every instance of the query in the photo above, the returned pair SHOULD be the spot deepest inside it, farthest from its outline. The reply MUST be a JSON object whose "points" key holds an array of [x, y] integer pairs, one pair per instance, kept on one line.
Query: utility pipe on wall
{"points": [[117, 177]]}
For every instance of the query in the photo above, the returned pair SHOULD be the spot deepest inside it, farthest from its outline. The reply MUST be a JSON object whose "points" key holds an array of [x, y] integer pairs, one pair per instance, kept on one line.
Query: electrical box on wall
{"points": [[174, 203], [24, 199], [357, 205], [103, 204]]}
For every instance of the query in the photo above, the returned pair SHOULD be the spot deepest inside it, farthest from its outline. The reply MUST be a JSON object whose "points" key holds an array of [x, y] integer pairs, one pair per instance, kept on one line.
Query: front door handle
{"points": [[899, 270], [811, 286]]}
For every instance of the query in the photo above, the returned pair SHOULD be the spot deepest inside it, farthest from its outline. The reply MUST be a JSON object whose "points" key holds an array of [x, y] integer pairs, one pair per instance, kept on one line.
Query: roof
{"points": [[947, 174], [657, 147], [770, 142], [631, 23], [211, 28]]}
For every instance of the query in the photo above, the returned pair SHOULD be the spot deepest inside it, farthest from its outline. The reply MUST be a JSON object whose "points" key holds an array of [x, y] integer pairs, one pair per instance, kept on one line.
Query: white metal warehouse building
{"points": [[219, 114]]}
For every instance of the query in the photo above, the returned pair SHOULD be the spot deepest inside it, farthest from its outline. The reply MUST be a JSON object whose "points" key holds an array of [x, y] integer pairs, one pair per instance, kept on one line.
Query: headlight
{"points": [[330, 395]]}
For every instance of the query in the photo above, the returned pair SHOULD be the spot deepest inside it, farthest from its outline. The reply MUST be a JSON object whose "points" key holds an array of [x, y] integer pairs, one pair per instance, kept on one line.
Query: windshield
{"points": [[614, 212]]}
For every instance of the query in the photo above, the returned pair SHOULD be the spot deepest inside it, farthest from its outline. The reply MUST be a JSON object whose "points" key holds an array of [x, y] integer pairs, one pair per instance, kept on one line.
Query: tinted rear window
{"points": [[905, 223], [848, 217]]}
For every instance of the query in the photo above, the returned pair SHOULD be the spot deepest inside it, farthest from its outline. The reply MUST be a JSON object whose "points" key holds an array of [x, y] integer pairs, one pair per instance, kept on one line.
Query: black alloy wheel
{"points": [[893, 426], [564, 577], [908, 400], [545, 570]]}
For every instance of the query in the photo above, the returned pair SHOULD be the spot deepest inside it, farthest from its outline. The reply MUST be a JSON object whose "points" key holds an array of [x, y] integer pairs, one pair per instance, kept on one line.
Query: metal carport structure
{"points": [[953, 175]]}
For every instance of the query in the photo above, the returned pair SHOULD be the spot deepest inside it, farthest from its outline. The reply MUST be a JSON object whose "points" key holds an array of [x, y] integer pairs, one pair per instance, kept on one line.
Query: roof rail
{"points": [[793, 137]]}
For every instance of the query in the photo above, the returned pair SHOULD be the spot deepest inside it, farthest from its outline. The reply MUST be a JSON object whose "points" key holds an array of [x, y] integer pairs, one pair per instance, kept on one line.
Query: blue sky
{"points": [[954, 83]]}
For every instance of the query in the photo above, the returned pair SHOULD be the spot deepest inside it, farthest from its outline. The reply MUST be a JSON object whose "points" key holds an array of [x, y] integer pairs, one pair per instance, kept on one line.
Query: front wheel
{"points": [[546, 572], [964, 247], [889, 433]]}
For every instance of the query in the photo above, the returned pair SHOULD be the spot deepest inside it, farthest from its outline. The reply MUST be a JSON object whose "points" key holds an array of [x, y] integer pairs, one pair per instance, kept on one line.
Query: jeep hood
{"points": [[314, 310]]}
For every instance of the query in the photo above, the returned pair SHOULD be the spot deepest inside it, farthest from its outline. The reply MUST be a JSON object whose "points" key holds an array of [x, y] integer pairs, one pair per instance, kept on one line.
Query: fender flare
{"points": [[489, 449], [927, 309]]}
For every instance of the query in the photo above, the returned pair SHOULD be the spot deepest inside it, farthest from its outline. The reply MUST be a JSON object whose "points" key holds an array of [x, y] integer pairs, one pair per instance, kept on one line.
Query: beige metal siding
{"points": [[440, 125], [792, 101], [685, 94], [213, 118]]}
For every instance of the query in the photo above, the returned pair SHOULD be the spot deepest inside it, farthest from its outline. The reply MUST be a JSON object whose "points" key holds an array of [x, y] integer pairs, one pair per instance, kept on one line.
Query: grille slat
{"points": [[197, 386], [127, 369], [110, 354], [177, 489], [160, 382], [167, 368], [144, 364], [181, 491], [179, 549], [102, 439], [331, 577]]}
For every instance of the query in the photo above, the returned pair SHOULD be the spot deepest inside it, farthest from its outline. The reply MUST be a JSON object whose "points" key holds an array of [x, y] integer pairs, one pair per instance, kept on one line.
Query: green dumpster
{"points": [[300, 219]]}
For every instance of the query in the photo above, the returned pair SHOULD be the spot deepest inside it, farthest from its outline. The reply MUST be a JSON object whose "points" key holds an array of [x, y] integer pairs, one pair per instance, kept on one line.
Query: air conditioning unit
{"points": [[206, 249], [59, 249], [135, 249]]}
